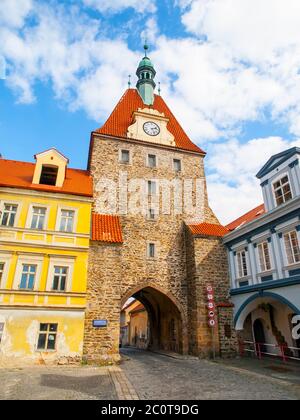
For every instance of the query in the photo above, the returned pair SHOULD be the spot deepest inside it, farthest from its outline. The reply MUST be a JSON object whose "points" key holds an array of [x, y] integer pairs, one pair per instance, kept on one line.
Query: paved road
{"points": [[56, 383], [159, 377]]}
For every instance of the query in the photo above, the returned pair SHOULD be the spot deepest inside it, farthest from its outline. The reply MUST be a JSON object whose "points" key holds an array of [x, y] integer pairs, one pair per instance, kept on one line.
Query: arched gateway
{"points": [[167, 320], [147, 241]]}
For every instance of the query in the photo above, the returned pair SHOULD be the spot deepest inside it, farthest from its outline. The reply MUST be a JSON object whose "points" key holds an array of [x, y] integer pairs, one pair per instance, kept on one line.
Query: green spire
{"points": [[146, 74]]}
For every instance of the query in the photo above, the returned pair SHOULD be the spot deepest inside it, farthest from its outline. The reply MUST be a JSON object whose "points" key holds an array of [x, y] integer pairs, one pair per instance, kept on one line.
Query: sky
{"points": [[229, 71]]}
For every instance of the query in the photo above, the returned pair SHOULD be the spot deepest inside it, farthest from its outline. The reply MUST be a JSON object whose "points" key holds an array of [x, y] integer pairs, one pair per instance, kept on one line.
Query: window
{"points": [[49, 175], [60, 279], [282, 190], [125, 156], [151, 214], [264, 256], [67, 220], [152, 161], [28, 277], [2, 265], [242, 264], [38, 218], [151, 187], [177, 165], [47, 337], [9, 215], [151, 250], [1, 330], [292, 247]]}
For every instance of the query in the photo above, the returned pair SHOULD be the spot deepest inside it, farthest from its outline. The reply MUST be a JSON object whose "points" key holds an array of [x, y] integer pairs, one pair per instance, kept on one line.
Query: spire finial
{"points": [[129, 81], [146, 47], [159, 88]]}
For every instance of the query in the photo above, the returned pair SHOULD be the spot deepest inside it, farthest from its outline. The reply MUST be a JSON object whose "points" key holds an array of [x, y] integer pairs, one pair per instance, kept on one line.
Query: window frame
{"points": [[293, 254], [47, 333], [2, 207], [262, 257], [5, 258], [153, 182], [150, 154], [69, 263], [174, 168], [30, 216], [121, 150], [28, 274], [29, 260], [2, 324], [238, 266], [148, 253], [278, 179], [59, 218]]}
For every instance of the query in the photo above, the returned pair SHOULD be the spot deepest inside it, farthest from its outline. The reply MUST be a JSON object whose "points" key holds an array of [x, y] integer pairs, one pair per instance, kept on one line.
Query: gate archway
{"points": [[167, 322]]}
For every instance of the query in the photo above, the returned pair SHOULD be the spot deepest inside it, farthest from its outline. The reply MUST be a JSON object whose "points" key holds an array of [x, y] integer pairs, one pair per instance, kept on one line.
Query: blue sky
{"points": [[230, 71]]}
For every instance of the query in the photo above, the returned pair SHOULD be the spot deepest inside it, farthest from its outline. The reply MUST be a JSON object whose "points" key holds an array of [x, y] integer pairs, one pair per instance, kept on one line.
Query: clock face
{"points": [[151, 129]]}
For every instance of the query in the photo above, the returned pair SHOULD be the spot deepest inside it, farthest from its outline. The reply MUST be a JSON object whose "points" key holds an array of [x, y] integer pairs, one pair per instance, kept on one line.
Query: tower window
{"points": [[125, 157], [49, 175], [151, 251]]}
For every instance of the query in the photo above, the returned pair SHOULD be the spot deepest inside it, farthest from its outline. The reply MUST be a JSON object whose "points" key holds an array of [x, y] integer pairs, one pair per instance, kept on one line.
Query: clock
{"points": [[151, 129]]}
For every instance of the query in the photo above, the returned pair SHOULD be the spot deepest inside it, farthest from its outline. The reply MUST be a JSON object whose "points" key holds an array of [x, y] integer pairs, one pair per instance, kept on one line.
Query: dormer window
{"points": [[49, 175], [282, 190]]}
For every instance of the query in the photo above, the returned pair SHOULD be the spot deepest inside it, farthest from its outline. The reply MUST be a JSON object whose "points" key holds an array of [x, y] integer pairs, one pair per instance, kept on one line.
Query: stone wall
{"points": [[116, 272], [207, 265]]}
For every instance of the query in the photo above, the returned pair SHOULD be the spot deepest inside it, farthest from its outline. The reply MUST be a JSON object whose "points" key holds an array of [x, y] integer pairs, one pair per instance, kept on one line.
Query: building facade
{"points": [[154, 236], [45, 214], [264, 256], [134, 326]]}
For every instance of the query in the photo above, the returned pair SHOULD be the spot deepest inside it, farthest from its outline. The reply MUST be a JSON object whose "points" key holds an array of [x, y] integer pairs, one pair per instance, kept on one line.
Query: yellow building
{"points": [[45, 217], [134, 325]]}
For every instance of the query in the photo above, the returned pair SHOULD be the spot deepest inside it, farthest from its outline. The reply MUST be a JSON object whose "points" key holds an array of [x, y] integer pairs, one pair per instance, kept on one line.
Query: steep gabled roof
{"points": [[277, 160], [208, 229], [106, 228], [16, 174], [247, 218], [121, 118]]}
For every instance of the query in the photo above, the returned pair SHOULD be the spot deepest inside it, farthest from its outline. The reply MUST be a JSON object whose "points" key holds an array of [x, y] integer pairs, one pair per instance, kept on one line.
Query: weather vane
{"points": [[159, 88], [129, 81]]}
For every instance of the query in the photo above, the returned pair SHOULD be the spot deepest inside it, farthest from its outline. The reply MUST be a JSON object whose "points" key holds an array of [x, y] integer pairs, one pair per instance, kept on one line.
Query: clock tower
{"points": [[154, 236]]}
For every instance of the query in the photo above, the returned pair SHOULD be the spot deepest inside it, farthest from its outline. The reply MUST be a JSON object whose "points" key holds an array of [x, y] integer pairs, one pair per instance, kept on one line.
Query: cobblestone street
{"points": [[159, 377], [151, 376]]}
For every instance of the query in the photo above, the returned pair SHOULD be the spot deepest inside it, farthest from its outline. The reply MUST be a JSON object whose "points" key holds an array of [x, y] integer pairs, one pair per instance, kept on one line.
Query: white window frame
{"points": [[260, 246], [59, 217], [285, 248], [30, 216], [121, 150], [154, 212], [155, 182], [238, 253], [60, 262], [13, 203], [5, 258], [28, 260], [278, 178]]}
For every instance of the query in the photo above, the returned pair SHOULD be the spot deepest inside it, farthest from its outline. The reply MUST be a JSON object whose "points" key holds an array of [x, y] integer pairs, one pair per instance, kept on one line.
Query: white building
{"points": [[264, 256]]}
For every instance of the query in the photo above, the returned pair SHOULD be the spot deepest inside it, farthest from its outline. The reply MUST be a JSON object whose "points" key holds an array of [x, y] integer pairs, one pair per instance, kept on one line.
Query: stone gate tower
{"points": [[154, 235]]}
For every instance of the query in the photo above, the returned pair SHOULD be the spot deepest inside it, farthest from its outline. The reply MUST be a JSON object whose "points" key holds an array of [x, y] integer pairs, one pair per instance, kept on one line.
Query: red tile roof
{"points": [[208, 229], [15, 174], [247, 218], [106, 228], [121, 118]]}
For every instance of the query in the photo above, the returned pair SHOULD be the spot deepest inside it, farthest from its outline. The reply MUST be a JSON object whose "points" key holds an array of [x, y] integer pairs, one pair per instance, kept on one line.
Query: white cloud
{"points": [[13, 12], [232, 183], [114, 6]]}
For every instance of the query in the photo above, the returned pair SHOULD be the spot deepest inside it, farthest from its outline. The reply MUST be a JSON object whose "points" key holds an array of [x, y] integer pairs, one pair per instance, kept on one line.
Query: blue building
{"points": [[264, 258]]}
